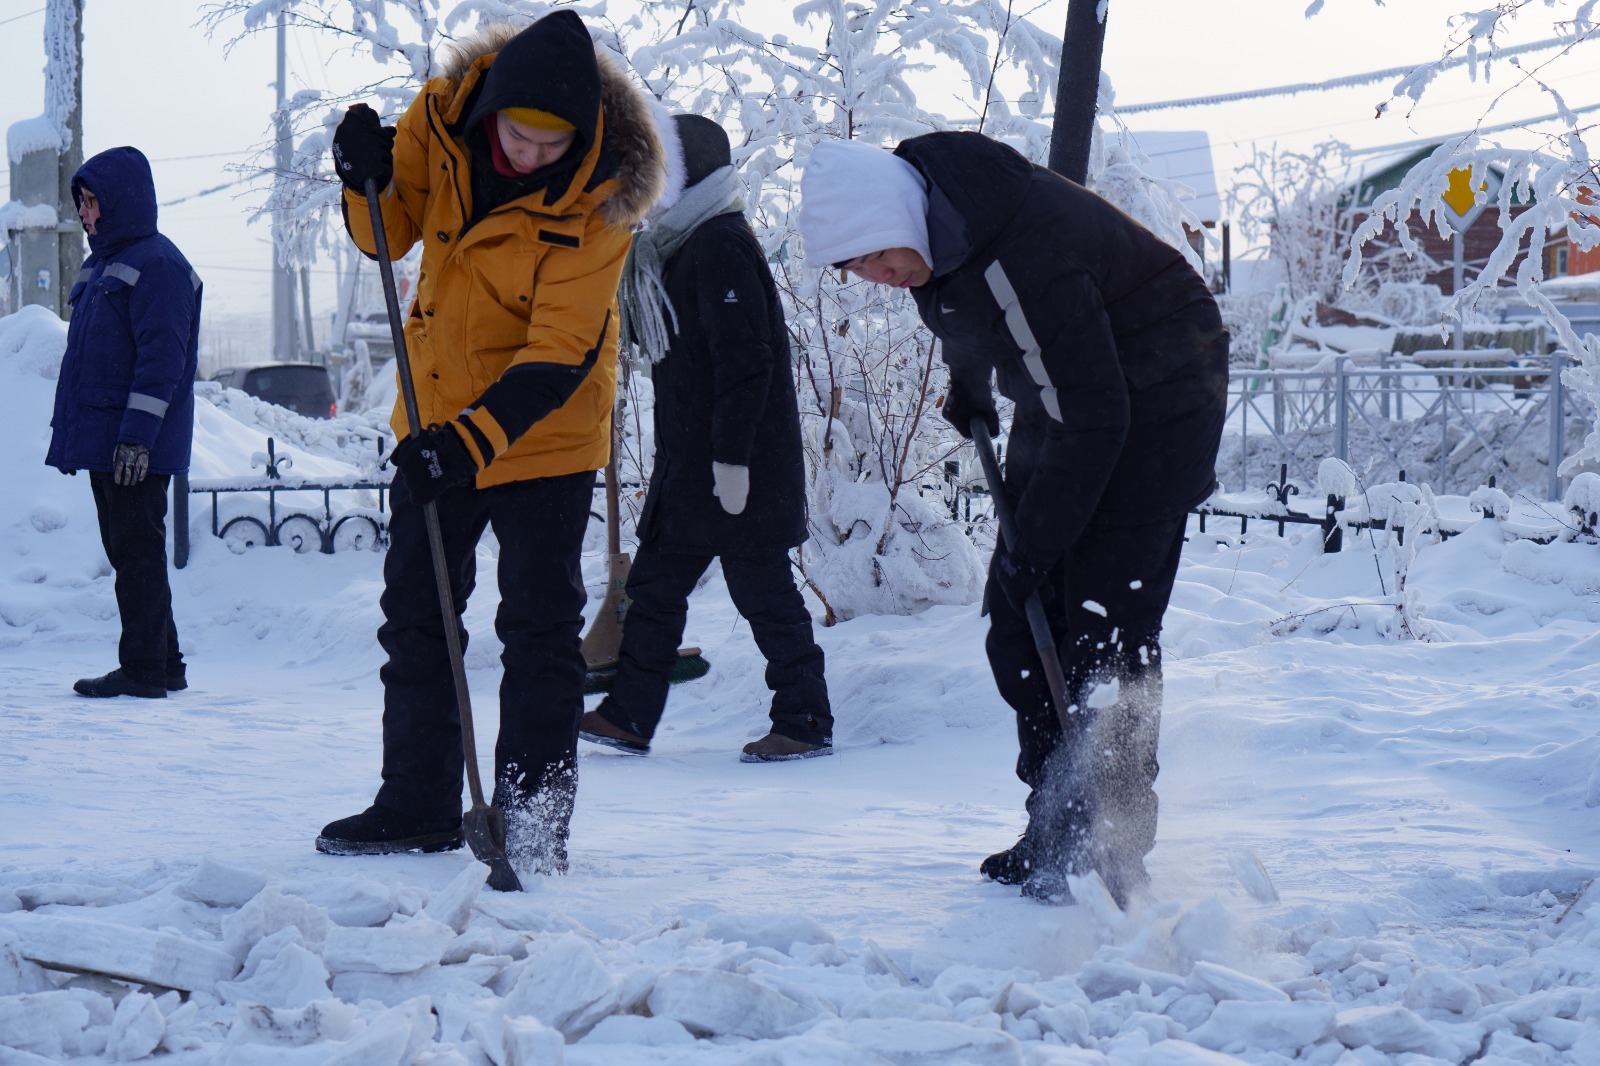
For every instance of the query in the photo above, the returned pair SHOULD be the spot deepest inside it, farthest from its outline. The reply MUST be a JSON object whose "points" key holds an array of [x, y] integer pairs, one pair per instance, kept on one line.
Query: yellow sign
{"points": [[1460, 197]]}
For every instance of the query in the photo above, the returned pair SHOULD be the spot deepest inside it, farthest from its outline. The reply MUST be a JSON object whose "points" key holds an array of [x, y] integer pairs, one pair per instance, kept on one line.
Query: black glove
{"points": [[432, 461], [363, 147], [130, 464], [1018, 579], [963, 403]]}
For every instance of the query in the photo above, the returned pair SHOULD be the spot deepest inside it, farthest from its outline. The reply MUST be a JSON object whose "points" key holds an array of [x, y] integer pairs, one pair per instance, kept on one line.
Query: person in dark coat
{"points": [[729, 480], [1114, 352], [124, 405]]}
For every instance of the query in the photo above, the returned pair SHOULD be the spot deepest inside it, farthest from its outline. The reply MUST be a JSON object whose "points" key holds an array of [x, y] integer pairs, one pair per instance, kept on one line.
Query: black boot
{"points": [[538, 822], [117, 683], [1011, 866], [386, 831]]}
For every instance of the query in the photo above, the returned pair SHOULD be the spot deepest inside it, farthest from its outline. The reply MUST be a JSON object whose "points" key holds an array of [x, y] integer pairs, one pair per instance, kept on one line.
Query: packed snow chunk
{"points": [[644, 1032], [563, 984], [1247, 867], [1282, 1027], [527, 1043], [717, 1003], [17, 975], [41, 1022], [269, 911], [778, 932], [452, 904], [217, 884], [136, 1028], [1443, 990], [349, 900], [1103, 978], [402, 947], [394, 1038], [908, 1043], [1391, 1028], [164, 959], [1177, 1053], [279, 972], [1220, 983], [328, 1020]]}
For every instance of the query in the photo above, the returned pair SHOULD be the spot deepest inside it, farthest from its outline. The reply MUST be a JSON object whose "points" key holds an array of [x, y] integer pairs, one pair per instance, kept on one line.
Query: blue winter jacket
{"points": [[134, 336]]}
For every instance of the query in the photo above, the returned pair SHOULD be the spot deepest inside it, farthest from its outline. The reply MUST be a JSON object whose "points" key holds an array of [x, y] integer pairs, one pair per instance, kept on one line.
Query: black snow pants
{"points": [[133, 529], [539, 525], [1092, 803], [764, 592]]}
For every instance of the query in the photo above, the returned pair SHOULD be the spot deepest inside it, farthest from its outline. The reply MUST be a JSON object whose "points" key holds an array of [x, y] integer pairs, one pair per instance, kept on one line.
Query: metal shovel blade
{"points": [[486, 835]]}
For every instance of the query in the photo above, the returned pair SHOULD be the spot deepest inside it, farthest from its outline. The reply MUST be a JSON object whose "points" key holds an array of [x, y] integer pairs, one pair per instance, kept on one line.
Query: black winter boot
{"points": [[117, 683], [386, 831], [1011, 866]]}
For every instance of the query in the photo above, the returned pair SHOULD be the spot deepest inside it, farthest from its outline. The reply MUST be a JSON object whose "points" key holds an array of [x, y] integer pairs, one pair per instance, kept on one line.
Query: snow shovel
{"points": [[602, 645], [485, 826], [1038, 625]]}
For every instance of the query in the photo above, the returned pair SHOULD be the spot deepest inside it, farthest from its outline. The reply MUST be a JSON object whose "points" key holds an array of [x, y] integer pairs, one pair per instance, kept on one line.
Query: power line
{"points": [[1345, 82], [25, 14]]}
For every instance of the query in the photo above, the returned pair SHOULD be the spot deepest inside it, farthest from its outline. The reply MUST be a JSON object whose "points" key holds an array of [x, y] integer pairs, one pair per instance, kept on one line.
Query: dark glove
{"points": [[130, 464], [432, 461], [1018, 579], [363, 147], [962, 404]]}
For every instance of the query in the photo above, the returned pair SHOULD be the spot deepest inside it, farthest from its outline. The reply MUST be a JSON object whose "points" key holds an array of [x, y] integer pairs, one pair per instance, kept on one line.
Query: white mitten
{"points": [[732, 487]]}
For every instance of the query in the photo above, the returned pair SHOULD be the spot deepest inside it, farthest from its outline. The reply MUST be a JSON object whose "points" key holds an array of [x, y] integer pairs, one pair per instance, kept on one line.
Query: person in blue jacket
{"points": [[124, 407]]}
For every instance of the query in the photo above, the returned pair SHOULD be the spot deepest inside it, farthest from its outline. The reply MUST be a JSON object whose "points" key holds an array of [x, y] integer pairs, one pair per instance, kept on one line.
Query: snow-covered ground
{"points": [[1368, 846]]}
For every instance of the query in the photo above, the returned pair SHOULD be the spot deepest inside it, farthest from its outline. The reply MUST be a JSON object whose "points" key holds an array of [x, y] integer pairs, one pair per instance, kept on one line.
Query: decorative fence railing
{"points": [[1453, 424], [292, 523]]}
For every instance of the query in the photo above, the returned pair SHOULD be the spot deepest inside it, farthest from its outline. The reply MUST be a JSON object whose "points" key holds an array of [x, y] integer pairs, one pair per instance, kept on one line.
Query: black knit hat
{"points": [[705, 147], [549, 66]]}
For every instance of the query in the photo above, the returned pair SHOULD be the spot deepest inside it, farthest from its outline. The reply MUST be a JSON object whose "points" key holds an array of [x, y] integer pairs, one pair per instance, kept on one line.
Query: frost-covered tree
{"points": [[1552, 172]]}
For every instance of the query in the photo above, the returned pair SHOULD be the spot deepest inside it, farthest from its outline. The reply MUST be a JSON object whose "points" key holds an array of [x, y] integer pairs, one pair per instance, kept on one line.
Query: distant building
{"points": [[1381, 174]]}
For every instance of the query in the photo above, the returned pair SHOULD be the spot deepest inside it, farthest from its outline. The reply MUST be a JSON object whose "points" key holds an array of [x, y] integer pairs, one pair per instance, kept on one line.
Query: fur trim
{"points": [[672, 145], [461, 53], [632, 131], [632, 135]]}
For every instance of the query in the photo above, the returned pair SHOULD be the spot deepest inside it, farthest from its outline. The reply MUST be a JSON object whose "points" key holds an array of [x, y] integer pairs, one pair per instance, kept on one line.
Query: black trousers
{"points": [[539, 525], [1092, 803], [764, 592], [133, 529]]}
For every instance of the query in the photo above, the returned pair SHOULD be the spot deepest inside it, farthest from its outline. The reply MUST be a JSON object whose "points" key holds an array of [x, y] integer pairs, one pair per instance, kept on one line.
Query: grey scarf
{"points": [[647, 313]]}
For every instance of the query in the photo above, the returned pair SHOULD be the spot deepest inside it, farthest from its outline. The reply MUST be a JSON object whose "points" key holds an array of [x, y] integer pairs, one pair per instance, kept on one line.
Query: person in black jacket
{"points": [[1114, 352], [699, 300], [124, 406]]}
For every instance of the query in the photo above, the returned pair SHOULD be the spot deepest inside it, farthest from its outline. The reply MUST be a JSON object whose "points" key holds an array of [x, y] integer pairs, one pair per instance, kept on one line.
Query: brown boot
{"points": [[597, 729], [777, 748]]}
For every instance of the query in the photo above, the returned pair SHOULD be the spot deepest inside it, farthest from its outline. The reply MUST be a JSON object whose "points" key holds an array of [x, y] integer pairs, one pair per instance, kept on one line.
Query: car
{"points": [[304, 388]]}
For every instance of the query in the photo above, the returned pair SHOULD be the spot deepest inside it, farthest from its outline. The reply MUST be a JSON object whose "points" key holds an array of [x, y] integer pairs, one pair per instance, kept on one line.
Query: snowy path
{"points": [[1419, 808]]}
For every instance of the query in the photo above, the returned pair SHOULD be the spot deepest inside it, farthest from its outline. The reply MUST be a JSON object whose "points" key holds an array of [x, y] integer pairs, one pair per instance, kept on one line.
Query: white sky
{"points": [[152, 79]]}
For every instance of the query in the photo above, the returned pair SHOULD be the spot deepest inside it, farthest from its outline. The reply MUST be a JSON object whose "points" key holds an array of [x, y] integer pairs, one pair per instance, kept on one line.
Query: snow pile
{"points": [[1371, 848]]}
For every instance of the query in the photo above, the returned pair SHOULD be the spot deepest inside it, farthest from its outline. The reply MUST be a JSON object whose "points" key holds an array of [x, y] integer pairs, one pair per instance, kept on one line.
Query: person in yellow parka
{"points": [[521, 171]]}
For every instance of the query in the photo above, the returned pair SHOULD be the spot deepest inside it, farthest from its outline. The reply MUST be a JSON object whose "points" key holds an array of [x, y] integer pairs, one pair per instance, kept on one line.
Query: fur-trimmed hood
{"points": [[630, 157]]}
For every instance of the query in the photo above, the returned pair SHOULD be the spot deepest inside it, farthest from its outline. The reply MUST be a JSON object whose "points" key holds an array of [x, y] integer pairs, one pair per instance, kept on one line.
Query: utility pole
{"points": [[69, 253], [1078, 88], [285, 338], [48, 247]]}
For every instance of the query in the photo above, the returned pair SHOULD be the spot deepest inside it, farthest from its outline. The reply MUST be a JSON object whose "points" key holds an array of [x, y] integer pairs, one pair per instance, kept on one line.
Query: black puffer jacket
{"points": [[725, 393], [1108, 341]]}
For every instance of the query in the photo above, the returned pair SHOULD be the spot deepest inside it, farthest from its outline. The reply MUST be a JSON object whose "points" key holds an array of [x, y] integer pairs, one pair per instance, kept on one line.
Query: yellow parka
{"points": [[530, 286]]}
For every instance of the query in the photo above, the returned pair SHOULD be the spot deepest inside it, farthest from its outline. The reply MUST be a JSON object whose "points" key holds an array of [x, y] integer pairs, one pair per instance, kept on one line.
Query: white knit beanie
{"points": [[856, 199]]}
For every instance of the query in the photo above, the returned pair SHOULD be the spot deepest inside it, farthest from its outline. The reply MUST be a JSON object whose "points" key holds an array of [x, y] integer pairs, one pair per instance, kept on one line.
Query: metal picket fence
{"points": [[1452, 426]]}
